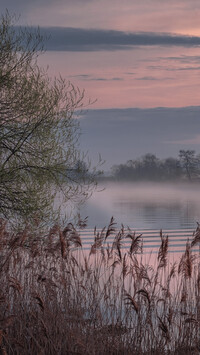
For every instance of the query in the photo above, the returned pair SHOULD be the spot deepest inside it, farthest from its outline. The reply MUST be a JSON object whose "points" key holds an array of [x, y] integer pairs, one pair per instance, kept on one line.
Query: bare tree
{"points": [[190, 163]]}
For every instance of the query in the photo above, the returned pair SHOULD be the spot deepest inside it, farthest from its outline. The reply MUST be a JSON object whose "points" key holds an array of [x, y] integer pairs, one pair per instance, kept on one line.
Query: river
{"points": [[146, 208]]}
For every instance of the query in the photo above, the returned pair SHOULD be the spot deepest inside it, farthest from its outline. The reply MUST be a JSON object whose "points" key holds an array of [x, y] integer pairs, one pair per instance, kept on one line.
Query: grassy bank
{"points": [[57, 298]]}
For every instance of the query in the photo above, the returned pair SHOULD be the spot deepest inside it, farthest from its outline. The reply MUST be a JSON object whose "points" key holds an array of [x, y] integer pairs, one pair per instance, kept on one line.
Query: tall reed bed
{"points": [[57, 298]]}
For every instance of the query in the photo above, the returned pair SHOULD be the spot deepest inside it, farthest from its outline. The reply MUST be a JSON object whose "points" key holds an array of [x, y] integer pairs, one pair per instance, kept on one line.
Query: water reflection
{"points": [[146, 206]]}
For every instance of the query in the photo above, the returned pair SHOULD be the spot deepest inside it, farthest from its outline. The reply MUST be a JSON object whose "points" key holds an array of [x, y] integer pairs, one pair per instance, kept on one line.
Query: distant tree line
{"points": [[149, 167]]}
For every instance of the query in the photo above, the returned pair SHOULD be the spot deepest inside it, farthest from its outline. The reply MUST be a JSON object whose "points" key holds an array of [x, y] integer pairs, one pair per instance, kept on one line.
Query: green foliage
{"points": [[38, 130]]}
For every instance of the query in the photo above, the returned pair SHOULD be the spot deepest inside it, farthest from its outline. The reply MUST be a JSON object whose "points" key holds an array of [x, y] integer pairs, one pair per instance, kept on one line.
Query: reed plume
{"points": [[57, 298]]}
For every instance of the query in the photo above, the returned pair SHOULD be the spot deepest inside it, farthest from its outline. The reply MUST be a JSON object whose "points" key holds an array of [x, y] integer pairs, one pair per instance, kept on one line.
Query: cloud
{"points": [[160, 67], [184, 68], [153, 78], [194, 141], [79, 39], [182, 58], [80, 76], [21, 4], [89, 77], [106, 79]]}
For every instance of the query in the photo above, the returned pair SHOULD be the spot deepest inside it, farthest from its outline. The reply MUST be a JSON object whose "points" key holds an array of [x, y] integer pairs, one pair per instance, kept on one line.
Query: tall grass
{"points": [[57, 298]]}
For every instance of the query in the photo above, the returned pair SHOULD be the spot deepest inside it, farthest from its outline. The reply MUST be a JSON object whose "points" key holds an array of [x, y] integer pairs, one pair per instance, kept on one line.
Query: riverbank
{"points": [[58, 299]]}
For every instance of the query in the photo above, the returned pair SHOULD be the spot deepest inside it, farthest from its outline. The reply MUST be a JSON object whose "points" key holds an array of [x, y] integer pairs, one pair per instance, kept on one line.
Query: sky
{"points": [[127, 55]]}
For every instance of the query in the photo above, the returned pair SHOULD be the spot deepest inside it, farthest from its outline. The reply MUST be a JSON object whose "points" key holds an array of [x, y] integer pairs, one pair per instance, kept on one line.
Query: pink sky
{"points": [[142, 77], [124, 77], [147, 76]]}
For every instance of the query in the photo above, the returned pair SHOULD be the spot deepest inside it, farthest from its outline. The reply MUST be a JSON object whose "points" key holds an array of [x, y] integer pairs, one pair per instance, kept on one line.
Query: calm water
{"points": [[145, 205], [146, 208]]}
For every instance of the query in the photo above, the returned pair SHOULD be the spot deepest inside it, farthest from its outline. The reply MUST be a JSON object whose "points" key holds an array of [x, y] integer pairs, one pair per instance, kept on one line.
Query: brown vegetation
{"points": [[57, 298]]}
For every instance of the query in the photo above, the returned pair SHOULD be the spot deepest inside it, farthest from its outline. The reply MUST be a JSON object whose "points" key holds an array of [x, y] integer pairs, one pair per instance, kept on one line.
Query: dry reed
{"points": [[56, 298]]}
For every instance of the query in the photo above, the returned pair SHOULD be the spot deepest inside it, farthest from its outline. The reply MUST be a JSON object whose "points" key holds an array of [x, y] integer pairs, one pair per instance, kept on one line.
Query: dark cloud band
{"points": [[77, 39]]}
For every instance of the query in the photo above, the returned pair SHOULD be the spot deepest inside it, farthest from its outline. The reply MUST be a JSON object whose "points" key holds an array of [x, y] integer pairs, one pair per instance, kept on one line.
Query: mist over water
{"points": [[144, 205], [146, 208]]}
